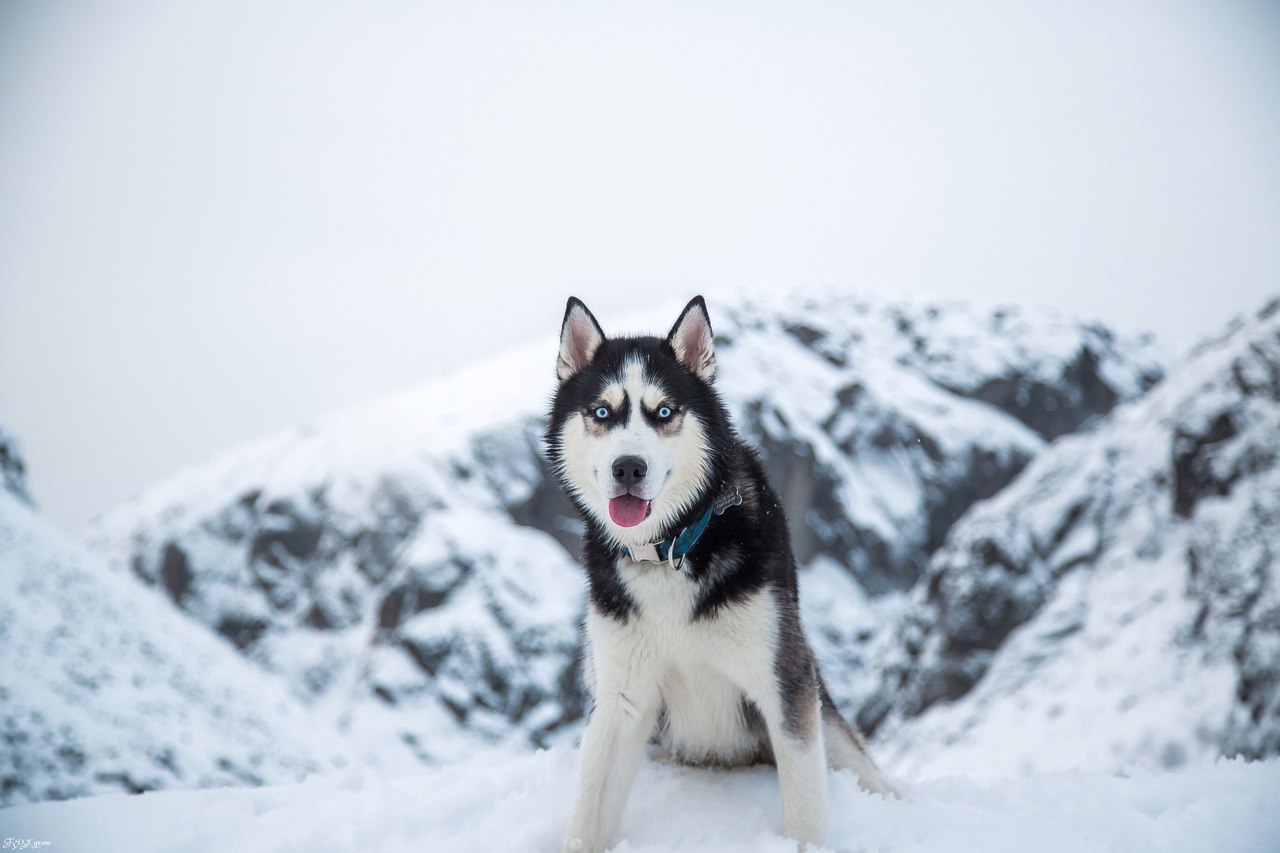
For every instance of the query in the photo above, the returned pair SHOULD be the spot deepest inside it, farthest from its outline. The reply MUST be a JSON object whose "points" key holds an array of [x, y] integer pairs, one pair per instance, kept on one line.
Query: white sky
{"points": [[219, 219]]}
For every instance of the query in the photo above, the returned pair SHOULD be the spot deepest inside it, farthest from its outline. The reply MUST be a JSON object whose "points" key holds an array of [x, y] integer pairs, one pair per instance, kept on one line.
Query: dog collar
{"points": [[672, 550]]}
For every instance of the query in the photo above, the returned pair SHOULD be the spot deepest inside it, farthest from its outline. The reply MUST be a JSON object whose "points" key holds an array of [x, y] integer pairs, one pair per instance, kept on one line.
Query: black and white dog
{"points": [[693, 624]]}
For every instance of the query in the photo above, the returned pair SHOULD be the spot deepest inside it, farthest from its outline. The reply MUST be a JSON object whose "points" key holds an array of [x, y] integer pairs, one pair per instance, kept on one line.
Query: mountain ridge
{"points": [[408, 565]]}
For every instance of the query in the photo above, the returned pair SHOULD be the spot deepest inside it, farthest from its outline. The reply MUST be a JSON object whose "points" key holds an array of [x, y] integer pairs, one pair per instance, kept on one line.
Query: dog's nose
{"points": [[629, 470]]}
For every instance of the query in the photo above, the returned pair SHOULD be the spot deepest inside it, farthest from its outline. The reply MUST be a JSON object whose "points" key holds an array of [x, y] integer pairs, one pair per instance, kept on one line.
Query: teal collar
{"points": [[673, 550]]}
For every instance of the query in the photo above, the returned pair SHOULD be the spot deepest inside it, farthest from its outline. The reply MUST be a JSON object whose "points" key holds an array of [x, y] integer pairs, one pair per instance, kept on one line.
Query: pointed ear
{"points": [[691, 338], [580, 337]]}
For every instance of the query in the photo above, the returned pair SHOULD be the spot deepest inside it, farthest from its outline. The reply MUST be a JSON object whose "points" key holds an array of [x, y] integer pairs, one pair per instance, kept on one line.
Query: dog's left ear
{"points": [[691, 338]]}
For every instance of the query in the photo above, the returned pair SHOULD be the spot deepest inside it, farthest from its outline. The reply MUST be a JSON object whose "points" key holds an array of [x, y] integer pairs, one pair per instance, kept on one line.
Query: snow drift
{"points": [[522, 804]]}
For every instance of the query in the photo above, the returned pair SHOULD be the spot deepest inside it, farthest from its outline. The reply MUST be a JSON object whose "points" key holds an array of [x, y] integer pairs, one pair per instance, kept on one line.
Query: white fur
{"points": [[700, 669], [677, 464]]}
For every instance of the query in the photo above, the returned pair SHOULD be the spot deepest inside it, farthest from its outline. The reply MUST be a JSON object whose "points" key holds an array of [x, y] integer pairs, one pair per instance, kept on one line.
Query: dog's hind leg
{"points": [[787, 697], [846, 750], [795, 733]]}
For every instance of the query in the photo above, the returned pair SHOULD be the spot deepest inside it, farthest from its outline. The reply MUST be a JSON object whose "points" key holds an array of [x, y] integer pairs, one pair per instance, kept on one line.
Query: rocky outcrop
{"points": [[1140, 556]]}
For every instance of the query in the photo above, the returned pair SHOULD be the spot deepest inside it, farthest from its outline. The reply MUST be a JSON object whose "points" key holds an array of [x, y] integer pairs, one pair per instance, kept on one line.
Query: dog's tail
{"points": [[847, 750]]}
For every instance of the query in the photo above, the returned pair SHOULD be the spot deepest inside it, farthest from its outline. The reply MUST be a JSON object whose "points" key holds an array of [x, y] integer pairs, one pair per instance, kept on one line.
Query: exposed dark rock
{"points": [[1193, 469], [13, 470], [805, 334], [547, 509], [428, 657], [987, 475], [1053, 409], [296, 537], [125, 782], [408, 600], [242, 631], [175, 573]]}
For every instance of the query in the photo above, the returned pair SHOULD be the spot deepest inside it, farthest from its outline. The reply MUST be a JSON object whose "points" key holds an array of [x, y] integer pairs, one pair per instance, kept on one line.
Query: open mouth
{"points": [[629, 510]]}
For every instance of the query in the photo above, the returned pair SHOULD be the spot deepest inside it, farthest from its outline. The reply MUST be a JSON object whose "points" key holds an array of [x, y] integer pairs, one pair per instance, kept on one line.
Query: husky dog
{"points": [[693, 624]]}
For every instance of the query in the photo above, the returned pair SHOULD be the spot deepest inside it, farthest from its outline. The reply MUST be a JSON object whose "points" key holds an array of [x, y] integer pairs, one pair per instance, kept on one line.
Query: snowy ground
{"points": [[517, 804]]}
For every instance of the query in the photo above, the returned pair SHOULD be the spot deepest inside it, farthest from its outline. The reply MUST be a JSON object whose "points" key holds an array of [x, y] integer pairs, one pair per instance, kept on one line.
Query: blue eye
{"points": [[602, 413], [665, 413]]}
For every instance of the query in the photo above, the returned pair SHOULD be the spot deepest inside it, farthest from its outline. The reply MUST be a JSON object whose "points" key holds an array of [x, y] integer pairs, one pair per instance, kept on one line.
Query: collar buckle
{"points": [[646, 553]]}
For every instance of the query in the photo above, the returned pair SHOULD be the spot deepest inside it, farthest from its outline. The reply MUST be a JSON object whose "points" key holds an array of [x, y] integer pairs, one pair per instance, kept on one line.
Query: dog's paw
{"points": [[581, 842]]}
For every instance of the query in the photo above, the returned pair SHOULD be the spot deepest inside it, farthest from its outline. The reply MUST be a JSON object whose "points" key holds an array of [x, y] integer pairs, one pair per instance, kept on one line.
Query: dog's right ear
{"points": [[580, 337]]}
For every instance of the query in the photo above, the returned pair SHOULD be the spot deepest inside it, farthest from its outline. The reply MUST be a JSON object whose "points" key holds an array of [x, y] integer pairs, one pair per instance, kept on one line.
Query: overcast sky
{"points": [[219, 219]]}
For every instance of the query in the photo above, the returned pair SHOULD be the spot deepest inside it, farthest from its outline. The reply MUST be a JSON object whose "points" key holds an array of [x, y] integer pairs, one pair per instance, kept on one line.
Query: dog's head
{"points": [[636, 428]]}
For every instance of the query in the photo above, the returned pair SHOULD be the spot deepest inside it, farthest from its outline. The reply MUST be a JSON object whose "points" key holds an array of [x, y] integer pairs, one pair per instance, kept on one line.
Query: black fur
{"points": [[757, 529]]}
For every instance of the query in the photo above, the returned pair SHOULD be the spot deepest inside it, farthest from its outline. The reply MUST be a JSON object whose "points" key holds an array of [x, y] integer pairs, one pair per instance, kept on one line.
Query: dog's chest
{"points": [[664, 621], [664, 597], [702, 667]]}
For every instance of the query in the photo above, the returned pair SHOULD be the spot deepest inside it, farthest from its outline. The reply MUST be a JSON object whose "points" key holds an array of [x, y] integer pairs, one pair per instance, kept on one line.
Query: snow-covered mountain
{"points": [[106, 687], [407, 566], [1119, 600]]}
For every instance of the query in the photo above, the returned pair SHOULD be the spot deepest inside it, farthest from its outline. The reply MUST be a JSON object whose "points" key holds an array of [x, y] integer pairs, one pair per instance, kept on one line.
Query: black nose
{"points": [[629, 470]]}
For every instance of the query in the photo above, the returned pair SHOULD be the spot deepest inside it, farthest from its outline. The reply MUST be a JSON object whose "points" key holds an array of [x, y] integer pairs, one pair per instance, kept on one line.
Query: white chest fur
{"points": [[697, 669]]}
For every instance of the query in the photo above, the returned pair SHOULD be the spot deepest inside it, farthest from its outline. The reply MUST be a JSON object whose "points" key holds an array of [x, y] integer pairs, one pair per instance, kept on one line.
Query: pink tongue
{"points": [[628, 510]]}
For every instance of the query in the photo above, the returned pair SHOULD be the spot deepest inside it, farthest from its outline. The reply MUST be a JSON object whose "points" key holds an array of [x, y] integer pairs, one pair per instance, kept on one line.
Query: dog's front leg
{"points": [[612, 746], [622, 718]]}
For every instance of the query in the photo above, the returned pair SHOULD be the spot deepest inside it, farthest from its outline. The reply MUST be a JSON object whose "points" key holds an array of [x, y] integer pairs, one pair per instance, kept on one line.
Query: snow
{"points": [[840, 619], [106, 685], [522, 803], [1094, 682], [1137, 591]]}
